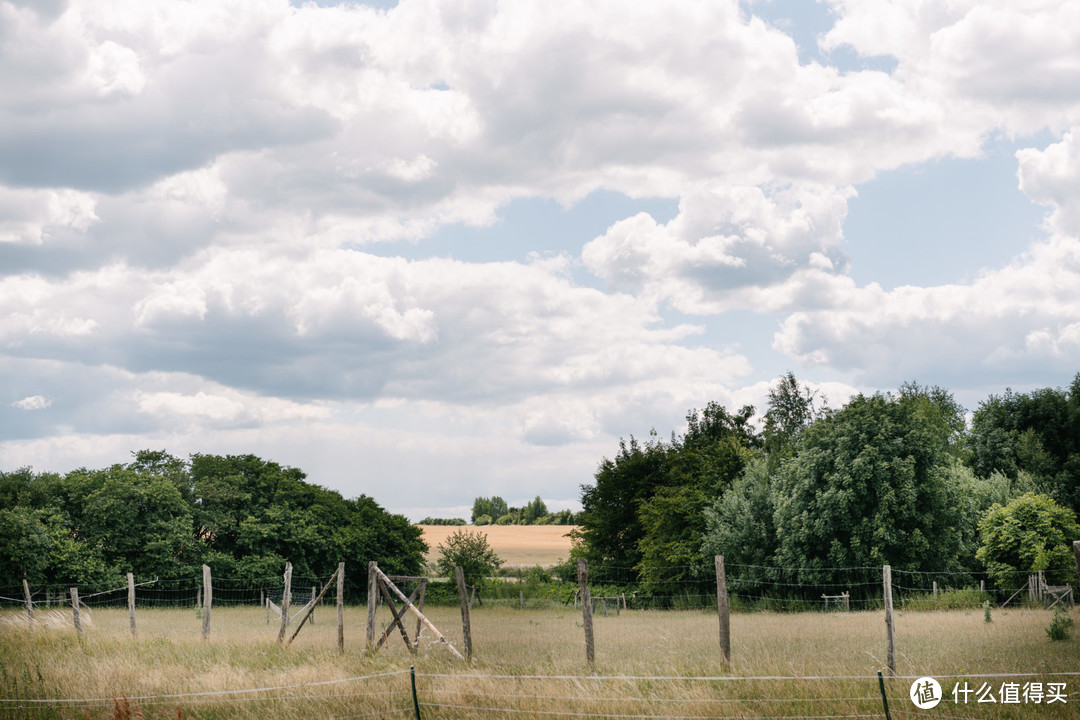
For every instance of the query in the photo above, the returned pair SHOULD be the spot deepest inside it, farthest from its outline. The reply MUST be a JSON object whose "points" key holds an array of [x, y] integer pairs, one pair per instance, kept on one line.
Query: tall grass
{"points": [[169, 657]]}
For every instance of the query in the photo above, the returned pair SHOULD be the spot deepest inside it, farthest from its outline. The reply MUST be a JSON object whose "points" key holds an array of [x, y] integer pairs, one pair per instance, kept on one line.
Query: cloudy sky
{"points": [[432, 250]]}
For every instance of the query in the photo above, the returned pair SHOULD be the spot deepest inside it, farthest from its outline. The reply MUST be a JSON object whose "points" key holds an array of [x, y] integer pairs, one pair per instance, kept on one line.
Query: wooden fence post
{"points": [[311, 618], [466, 627], [75, 609], [29, 602], [131, 602], [723, 609], [208, 600], [285, 598], [372, 599], [935, 589], [890, 648], [341, 607], [586, 609]]}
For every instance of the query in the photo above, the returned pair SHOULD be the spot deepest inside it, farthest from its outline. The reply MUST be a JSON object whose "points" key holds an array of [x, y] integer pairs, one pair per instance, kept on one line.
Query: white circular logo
{"points": [[925, 693]]}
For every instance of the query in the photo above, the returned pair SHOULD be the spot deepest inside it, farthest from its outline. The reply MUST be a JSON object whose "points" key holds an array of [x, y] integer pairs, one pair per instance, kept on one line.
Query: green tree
{"points": [[869, 487], [791, 410], [494, 507], [740, 526], [611, 530], [1037, 433], [1030, 533], [534, 511], [470, 551]]}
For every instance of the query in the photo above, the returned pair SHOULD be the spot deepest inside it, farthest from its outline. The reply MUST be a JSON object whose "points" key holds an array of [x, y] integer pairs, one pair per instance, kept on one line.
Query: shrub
{"points": [[1060, 626], [471, 551]]}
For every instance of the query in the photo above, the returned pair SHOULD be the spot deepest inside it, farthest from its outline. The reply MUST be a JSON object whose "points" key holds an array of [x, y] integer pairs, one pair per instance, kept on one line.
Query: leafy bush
{"points": [[471, 551], [1060, 625]]}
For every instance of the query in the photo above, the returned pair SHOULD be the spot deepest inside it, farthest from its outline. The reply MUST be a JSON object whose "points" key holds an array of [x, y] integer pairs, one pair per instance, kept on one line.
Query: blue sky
{"points": [[428, 251]]}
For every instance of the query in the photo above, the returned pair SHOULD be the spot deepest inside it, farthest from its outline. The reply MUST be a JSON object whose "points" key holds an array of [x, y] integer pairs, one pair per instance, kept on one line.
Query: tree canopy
{"points": [[163, 516]]}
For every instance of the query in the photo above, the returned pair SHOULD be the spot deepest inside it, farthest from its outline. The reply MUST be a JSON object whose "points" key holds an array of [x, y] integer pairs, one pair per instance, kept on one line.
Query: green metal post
{"points": [[415, 702], [881, 684]]}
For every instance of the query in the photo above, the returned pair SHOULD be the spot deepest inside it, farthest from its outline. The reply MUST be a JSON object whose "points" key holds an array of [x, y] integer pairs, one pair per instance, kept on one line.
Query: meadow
{"points": [[527, 663], [517, 545]]}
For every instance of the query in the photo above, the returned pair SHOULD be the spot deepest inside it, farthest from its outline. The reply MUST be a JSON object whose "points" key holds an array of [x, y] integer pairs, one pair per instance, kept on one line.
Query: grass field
{"points": [[170, 658], [517, 545]]}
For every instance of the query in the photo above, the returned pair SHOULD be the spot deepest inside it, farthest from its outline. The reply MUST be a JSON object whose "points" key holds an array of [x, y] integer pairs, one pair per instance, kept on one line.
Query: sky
{"points": [[428, 251]]}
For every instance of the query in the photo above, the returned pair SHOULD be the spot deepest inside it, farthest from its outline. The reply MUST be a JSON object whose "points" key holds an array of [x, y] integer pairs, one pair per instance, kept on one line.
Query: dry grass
{"points": [[517, 545], [169, 657]]}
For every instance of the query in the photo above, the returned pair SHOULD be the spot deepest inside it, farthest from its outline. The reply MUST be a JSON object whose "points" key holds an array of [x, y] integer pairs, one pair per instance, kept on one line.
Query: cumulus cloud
{"points": [[34, 402], [729, 247], [199, 203], [1004, 324]]}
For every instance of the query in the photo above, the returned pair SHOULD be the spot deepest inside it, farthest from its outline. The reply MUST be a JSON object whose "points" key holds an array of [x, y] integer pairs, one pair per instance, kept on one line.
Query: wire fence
{"points": [[411, 694], [749, 588]]}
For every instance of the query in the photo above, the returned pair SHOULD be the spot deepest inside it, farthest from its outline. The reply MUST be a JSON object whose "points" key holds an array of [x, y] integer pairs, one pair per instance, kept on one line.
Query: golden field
{"points": [[517, 545], [527, 663]]}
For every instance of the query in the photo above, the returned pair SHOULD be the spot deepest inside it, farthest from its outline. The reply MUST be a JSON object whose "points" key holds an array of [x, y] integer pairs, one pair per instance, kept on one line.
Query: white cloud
{"points": [[33, 402], [1007, 321], [729, 247]]}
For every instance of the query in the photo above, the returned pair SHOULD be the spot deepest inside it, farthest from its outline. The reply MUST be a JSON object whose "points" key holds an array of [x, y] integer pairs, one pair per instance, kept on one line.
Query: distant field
{"points": [[516, 544]]}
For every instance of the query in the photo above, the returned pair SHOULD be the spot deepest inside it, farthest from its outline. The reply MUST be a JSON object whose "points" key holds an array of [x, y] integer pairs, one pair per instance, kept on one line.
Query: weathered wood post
{"points": [[723, 609], [586, 609], [1076, 556], [935, 589], [266, 602], [521, 599], [982, 586], [208, 600], [131, 602], [372, 598], [29, 602], [847, 602], [890, 648], [463, 594], [311, 617], [262, 598], [341, 607], [285, 598], [75, 609]]}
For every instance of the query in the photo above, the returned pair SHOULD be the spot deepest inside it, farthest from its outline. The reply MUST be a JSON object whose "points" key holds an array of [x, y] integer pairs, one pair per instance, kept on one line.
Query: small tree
{"points": [[471, 551], [1031, 533]]}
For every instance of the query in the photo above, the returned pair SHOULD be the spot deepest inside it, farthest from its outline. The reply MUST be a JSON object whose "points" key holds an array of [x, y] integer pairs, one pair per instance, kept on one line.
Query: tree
{"points": [[791, 410], [1031, 533], [1036, 432], [739, 525], [494, 507], [611, 530], [534, 511], [869, 486], [470, 551]]}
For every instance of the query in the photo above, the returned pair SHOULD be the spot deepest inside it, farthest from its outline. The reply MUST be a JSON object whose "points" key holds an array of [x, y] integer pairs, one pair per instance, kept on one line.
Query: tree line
{"points": [[892, 478], [162, 516]]}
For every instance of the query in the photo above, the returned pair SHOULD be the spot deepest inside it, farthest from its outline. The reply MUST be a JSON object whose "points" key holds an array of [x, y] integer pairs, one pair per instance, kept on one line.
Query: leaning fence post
{"points": [[75, 609], [586, 609], [723, 609], [29, 602], [208, 600], [463, 594], [890, 649], [341, 607], [285, 598], [372, 598], [131, 602]]}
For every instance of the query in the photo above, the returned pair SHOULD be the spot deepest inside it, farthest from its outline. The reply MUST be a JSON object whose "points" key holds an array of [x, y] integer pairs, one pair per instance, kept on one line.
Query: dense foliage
{"points": [[160, 516], [896, 478], [469, 551], [495, 511]]}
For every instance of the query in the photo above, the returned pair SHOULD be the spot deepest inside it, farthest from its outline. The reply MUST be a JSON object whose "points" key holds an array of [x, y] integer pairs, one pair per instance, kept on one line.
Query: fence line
{"points": [[233, 695]]}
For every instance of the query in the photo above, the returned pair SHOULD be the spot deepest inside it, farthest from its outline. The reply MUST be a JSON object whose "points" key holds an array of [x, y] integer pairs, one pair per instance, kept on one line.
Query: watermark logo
{"points": [[925, 693]]}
